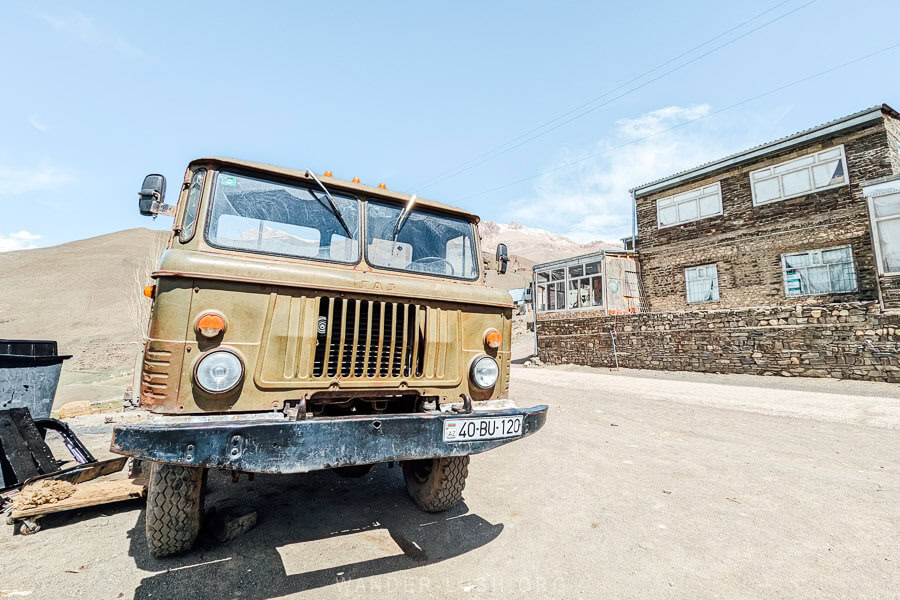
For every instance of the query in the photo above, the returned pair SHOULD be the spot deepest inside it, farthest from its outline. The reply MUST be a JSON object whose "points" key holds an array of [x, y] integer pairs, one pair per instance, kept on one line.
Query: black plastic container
{"points": [[29, 374]]}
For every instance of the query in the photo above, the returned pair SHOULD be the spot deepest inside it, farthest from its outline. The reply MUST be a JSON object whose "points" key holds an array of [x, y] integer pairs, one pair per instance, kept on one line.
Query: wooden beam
{"points": [[91, 493]]}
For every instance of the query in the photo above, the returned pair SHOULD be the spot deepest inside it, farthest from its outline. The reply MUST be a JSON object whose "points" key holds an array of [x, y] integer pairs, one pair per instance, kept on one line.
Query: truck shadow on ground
{"points": [[314, 530]]}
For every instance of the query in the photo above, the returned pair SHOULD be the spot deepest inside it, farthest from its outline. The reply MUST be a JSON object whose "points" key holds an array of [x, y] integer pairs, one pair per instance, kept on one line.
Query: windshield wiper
{"points": [[331, 201], [403, 214]]}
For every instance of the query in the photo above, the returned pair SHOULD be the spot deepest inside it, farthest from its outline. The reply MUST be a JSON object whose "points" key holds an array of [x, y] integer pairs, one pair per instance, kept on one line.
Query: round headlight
{"points": [[218, 371], [484, 372]]}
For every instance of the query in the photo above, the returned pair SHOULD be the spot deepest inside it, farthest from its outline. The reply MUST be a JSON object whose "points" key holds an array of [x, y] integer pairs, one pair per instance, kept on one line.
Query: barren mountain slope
{"points": [[537, 245], [518, 272], [84, 294]]}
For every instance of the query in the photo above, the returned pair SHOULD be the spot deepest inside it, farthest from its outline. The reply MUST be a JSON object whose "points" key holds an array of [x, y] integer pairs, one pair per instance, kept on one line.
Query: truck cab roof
{"points": [[334, 182]]}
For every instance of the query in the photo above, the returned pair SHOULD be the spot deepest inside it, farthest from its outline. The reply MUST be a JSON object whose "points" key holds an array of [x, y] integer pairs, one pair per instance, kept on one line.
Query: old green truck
{"points": [[302, 322]]}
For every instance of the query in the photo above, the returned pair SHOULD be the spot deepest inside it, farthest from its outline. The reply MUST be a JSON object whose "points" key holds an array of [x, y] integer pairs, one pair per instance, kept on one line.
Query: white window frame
{"points": [[565, 282], [715, 281], [551, 292], [771, 172], [690, 196], [876, 241], [600, 274], [819, 251]]}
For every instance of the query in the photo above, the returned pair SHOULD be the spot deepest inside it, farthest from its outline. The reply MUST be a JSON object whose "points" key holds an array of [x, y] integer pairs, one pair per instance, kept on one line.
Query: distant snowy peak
{"points": [[538, 245]]}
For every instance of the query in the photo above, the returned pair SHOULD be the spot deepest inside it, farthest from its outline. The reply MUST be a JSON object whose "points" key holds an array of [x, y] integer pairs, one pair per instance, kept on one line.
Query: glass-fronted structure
{"points": [[606, 281]]}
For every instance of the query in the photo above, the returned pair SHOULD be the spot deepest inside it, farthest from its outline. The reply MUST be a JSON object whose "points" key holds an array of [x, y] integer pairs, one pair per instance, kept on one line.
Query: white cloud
{"points": [[16, 181], [657, 120], [590, 200], [82, 27], [37, 122], [19, 240]]}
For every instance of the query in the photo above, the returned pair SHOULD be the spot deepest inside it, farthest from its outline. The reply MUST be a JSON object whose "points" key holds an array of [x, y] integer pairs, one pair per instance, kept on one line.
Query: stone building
{"points": [[780, 224], [782, 259]]}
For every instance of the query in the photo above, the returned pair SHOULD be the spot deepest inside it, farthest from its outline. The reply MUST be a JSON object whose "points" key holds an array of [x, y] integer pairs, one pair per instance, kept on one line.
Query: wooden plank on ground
{"points": [[91, 493]]}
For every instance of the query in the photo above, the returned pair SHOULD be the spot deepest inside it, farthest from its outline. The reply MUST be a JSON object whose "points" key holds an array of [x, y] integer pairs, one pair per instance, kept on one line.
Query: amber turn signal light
{"points": [[493, 338], [210, 325], [149, 290]]}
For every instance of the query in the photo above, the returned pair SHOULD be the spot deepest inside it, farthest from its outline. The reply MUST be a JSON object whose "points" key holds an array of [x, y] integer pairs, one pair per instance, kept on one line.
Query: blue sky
{"points": [[95, 95]]}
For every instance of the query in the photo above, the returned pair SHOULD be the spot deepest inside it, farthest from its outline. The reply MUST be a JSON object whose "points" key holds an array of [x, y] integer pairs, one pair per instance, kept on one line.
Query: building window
{"points": [[702, 283], [583, 288], [689, 206], [826, 271], [885, 211], [551, 289], [541, 291], [812, 173], [585, 285]]}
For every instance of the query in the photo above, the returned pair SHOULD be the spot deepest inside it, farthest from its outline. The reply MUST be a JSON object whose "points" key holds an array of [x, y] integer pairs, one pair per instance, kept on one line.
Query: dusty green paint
{"points": [[263, 300]]}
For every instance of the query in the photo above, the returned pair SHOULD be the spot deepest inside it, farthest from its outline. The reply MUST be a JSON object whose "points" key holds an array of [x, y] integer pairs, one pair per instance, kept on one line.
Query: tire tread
{"points": [[174, 506], [444, 486]]}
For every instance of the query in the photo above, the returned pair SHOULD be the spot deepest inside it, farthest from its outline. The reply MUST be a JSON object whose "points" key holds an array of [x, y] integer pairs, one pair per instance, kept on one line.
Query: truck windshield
{"points": [[278, 218], [428, 242]]}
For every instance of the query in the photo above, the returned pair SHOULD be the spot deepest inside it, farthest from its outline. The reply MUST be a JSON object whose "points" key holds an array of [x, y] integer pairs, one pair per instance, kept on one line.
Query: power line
{"points": [[685, 123], [503, 149], [428, 183]]}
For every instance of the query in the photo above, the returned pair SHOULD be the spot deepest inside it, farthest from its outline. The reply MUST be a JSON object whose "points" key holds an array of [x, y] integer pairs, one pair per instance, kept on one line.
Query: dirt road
{"points": [[640, 486]]}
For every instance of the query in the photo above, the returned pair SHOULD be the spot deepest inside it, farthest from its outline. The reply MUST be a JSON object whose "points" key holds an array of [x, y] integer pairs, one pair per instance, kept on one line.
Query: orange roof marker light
{"points": [[381, 186], [356, 180], [329, 174], [148, 290]]}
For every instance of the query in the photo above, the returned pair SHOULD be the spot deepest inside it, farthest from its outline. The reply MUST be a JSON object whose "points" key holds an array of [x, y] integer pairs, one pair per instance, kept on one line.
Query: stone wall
{"points": [[844, 341], [892, 126], [890, 291], [746, 241]]}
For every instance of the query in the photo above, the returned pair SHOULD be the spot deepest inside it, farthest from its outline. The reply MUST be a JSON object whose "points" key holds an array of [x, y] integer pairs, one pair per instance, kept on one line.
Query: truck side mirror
{"points": [[152, 195], [502, 258]]}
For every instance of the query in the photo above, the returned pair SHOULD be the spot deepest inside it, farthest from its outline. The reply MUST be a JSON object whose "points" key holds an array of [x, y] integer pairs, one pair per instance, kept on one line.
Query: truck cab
{"points": [[303, 322]]}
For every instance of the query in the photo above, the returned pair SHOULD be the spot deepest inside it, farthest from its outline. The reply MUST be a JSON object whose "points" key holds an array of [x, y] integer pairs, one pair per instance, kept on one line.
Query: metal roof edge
{"points": [[563, 261], [852, 121]]}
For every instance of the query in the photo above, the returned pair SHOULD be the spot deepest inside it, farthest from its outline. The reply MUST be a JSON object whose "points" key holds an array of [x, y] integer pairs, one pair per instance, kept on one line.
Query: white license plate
{"points": [[486, 428]]}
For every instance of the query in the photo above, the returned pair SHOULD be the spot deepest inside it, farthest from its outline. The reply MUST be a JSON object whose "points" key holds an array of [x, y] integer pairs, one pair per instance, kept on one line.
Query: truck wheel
{"points": [[174, 507], [436, 484]]}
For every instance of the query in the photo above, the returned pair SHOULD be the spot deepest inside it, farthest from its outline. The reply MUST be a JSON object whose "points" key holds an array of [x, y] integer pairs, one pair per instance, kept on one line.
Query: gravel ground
{"points": [[640, 486]]}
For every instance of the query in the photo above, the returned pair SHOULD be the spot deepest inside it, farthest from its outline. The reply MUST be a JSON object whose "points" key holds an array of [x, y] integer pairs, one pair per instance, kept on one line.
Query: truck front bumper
{"points": [[265, 445]]}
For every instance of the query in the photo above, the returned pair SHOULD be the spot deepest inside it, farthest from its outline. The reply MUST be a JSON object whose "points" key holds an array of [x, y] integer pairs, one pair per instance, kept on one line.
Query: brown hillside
{"points": [[84, 294], [536, 245]]}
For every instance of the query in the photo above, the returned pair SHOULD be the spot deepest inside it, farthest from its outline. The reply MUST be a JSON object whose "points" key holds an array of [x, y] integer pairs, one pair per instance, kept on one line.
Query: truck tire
{"points": [[174, 507], [436, 484]]}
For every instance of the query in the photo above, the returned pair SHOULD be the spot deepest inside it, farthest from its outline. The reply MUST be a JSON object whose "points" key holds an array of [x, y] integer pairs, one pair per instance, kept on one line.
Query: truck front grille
{"points": [[368, 338], [324, 338]]}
